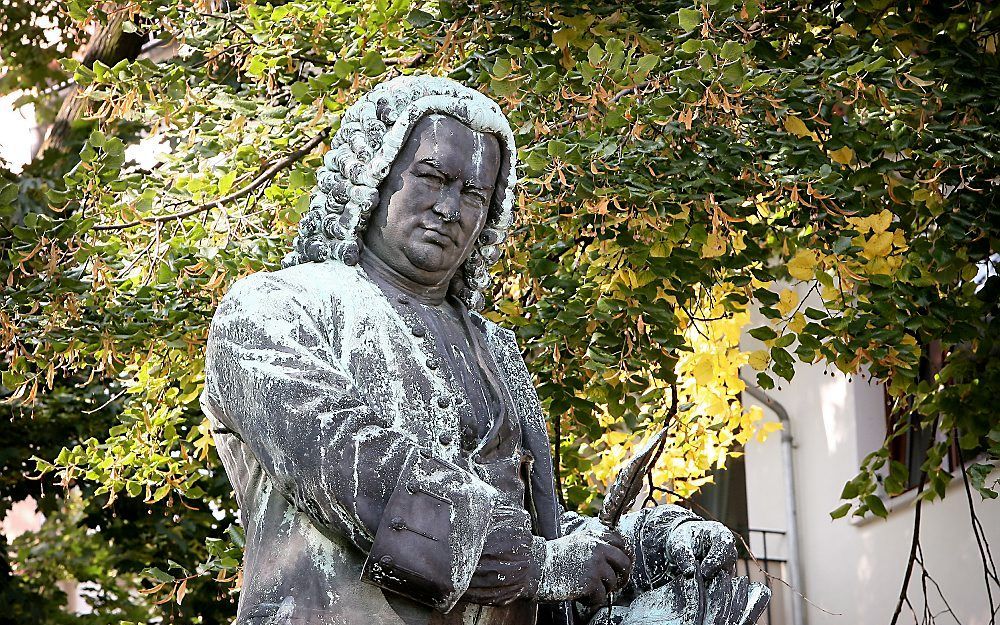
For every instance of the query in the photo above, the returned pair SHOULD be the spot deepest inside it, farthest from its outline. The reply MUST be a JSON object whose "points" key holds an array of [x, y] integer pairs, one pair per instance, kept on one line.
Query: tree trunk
{"points": [[109, 45]]}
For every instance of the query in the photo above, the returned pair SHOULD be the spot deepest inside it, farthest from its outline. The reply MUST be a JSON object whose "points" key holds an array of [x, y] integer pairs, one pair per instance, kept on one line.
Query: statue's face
{"points": [[435, 200]]}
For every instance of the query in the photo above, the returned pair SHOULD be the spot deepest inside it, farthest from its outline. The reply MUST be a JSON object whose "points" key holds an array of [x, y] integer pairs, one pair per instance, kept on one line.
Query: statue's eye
{"points": [[474, 194], [431, 178]]}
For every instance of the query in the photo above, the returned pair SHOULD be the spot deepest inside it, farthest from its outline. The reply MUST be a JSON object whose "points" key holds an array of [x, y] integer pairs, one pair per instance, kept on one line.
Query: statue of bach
{"points": [[385, 442]]}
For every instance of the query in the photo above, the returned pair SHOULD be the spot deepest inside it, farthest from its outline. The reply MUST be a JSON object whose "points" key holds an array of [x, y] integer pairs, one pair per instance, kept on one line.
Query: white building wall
{"points": [[853, 570]]}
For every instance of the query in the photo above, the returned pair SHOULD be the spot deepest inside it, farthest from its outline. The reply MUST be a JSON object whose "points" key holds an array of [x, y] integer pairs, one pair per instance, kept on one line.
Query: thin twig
{"points": [[914, 545], [928, 578], [614, 100], [408, 62], [984, 555], [107, 403], [265, 176]]}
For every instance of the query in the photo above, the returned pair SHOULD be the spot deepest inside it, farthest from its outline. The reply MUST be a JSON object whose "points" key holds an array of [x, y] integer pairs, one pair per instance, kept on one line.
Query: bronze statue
{"points": [[384, 440]]}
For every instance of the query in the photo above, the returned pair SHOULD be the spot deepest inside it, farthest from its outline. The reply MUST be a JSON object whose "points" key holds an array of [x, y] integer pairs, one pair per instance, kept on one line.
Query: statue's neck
{"points": [[376, 268]]}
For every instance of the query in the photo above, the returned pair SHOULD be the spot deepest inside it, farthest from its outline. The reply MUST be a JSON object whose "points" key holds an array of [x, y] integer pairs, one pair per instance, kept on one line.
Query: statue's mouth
{"points": [[439, 237]]}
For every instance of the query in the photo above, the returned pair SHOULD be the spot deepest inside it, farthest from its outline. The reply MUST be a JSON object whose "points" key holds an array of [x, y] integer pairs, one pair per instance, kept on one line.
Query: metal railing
{"points": [[762, 565]]}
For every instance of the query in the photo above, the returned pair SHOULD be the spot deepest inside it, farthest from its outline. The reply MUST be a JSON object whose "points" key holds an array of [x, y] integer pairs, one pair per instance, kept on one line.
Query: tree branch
{"points": [[265, 176], [109, 45]]}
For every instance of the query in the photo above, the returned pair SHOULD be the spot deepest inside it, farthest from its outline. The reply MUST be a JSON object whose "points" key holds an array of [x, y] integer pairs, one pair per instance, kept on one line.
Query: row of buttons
{"points": [[432, 363], [469, 438]]}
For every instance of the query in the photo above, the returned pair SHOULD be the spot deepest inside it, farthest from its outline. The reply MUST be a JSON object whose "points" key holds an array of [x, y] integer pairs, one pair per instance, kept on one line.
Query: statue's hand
{"points": [[585, 566], [504, 568], [707, 545]]}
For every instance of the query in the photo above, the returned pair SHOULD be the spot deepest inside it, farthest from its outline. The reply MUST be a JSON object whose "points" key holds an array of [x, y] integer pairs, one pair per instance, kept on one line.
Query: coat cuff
{"points": [[535, 565], [431, 534]]}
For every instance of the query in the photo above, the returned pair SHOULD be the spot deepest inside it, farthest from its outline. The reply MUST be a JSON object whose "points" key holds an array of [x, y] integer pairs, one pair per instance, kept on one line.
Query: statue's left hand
{"points": [[707, 545]]}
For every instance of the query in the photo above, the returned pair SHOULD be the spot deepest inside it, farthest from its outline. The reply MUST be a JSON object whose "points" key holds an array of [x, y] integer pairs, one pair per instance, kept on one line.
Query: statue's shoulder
{"points": [[309, 285], [493, 330]]}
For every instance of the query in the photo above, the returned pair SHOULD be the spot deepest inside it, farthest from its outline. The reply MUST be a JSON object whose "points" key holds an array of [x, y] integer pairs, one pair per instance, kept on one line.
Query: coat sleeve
{"points": [[273, 380]]}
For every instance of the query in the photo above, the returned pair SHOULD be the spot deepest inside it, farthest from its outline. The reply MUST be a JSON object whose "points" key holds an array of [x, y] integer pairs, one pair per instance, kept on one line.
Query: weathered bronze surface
{"points": [[384, 440]]}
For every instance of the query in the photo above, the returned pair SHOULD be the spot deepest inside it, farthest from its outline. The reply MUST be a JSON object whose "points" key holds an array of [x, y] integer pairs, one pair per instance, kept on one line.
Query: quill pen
{"points": [[628, 484]]}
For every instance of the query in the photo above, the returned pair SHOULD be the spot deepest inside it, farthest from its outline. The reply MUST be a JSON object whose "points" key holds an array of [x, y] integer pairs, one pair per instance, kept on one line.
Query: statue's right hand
{"points": [[584, 566]]}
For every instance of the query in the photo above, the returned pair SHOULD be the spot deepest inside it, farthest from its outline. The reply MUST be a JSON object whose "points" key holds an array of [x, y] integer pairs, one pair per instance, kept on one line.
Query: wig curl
{"points": [[372, 133]]}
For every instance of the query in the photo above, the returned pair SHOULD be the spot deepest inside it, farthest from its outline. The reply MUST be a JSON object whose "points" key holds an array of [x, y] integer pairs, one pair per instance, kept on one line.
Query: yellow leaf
{"points": [[628, 277], [796, 126], [802, 266], [787, 301], [899, 239], [563, 36], [861, 224], [704, 371], [830, 294], [759, 359], [847, 30], [767, 428], [798, 323], [714, 246], [880, 222], [844, 155], [878, 246], [877, 266], [615, 438], [739, 244]]}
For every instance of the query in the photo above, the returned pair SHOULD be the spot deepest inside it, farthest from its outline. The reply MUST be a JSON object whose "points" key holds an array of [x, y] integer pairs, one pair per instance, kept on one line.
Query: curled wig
{"points": [[371, 134]]}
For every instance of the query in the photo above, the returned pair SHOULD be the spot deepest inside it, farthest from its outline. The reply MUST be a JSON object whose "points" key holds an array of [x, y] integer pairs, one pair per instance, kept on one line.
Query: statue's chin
{"points": [[430, 259]]}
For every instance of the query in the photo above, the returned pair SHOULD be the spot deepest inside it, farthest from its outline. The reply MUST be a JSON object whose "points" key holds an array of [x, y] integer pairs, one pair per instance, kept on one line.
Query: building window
{"points": [[909, 447]]}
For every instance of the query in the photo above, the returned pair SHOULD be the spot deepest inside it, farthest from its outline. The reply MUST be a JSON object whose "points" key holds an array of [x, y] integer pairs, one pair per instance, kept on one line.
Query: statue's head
{"points": [[431, 165]]}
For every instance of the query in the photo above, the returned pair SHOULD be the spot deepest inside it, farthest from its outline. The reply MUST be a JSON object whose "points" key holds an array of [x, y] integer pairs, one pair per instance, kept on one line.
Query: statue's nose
{"points": [[449, 205]]}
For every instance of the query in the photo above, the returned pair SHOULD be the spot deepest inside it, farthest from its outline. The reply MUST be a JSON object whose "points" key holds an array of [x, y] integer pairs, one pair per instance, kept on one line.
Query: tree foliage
{"points": [[682, 162]]}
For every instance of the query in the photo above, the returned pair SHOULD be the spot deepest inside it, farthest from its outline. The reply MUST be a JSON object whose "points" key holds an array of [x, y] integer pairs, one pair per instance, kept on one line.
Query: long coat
{"points": [[326, 417]]}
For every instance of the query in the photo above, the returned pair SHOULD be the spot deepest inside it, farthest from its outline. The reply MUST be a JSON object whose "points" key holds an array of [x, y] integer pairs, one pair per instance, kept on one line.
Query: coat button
{"points": [[444, 401], [432, 363], [445, 438], [397, 523], [386, 560], [419, 331], [402, 299]]}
